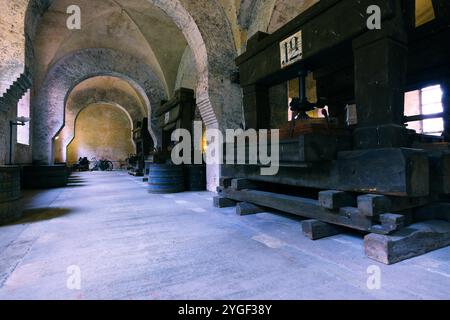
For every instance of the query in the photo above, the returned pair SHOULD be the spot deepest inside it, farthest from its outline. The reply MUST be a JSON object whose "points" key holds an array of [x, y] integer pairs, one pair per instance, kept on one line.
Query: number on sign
{"points": [[291, 49]]}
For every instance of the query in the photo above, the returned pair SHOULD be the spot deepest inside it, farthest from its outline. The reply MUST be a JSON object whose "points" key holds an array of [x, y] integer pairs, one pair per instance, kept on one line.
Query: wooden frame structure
{"points": [[383, 170]]}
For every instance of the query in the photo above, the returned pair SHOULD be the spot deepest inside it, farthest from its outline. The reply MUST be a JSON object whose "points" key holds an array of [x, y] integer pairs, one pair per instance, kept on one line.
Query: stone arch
{"points": [[268, 16], [286, 10], [67, 73], [78, 100], [122, 112], [208, 33]]}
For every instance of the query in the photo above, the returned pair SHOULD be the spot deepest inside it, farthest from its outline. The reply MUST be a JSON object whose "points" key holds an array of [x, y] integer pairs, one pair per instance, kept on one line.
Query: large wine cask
{"points": [[45, 177], [10, 204], [165, 178]]}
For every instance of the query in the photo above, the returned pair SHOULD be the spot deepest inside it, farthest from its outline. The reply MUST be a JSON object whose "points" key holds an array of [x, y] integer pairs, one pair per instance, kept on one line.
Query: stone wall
{"points": [[102, 131], [98, 90], [187, 73], [12, 41]]}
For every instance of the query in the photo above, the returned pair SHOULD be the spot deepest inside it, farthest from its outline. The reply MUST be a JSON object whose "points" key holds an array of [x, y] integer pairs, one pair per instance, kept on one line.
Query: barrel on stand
{"points": [[195, 177], [10, 204], [165, 178], [45, 177], [147, 165]]}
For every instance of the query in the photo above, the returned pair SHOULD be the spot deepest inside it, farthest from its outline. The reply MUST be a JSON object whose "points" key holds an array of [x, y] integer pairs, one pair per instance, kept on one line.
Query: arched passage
{"points": [[98, 90], [208, 34], [73, 69], [102, 130]]}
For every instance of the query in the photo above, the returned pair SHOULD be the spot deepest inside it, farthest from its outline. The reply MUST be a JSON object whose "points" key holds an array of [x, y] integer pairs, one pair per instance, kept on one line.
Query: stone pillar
{"points": [[380, 78]]}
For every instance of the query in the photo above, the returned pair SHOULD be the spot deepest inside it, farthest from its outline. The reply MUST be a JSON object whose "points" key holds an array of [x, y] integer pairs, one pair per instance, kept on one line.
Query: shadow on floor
{"points": [[77, 185], [76, 181], [41, 214]]}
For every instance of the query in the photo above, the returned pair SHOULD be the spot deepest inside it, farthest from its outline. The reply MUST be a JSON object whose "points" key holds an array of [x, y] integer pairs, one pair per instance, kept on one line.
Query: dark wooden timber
{"points": [[178, 113], [303, 207], [373, 205], [439, 210], [225, 181], [315, 230], [396, 172], [245, 209], [409, 242], [333, 200], [240, 184], [222, 202], [181, 95], [323, 31]]}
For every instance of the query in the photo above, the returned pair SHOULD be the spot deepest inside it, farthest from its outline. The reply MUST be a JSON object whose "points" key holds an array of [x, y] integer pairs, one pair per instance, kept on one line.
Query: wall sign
{"points": [[291, 49]]}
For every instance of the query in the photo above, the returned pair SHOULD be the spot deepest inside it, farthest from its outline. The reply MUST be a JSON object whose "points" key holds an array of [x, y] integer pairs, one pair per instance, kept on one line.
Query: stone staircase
{"points": [[16, 91]]}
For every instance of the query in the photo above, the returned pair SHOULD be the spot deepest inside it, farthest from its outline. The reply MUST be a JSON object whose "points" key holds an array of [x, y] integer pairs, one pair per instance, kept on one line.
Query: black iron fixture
{"points": [[300, 105], [21, 121]]}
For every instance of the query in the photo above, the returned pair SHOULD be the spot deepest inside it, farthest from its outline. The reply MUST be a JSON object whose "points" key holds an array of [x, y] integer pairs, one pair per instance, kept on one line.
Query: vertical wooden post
{"points": [[380, 78], [446, 105], [256, 107]]}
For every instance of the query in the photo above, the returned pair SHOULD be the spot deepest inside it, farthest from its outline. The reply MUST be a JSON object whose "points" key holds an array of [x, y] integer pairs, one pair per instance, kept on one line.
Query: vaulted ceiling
{"points": [[134, 26]]}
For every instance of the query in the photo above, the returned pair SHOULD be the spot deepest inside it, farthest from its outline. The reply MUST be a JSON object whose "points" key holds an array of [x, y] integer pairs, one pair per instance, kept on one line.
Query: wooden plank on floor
{"points": [[304, 207], [372, 205], [409, 242], [240, 184], [315, 230], [221, 202], [333, 200], [245, 209]]}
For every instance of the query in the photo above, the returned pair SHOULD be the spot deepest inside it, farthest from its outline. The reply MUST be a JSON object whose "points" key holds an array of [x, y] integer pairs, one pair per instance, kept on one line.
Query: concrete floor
{"points": [[129, 244]]}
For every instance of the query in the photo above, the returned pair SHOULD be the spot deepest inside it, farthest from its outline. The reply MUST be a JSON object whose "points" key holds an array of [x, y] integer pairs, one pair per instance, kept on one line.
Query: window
{"points": [[427, 101], [431, 99], [23, 110], [424, 12]]}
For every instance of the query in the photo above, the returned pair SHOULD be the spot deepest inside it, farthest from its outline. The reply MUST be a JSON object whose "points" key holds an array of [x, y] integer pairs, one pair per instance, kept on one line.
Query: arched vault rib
{"points": [[67, 73]]}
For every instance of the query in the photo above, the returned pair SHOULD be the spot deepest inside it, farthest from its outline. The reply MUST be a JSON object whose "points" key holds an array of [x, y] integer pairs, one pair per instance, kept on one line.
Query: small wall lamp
{"points": [[20, 121]]}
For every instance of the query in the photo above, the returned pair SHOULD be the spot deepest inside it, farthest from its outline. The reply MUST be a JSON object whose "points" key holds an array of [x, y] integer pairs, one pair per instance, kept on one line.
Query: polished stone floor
{"points": [[105, 237]]}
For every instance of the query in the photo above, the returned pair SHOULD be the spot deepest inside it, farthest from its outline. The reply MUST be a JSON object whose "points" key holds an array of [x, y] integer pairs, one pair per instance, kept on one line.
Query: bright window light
{"points": [[431, 102], [23, 110], [424, 102]]}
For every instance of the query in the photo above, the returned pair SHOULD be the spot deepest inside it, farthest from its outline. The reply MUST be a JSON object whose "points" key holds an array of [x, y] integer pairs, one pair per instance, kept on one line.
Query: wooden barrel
{"points": [[10, 204], [165, 178], [195, 177], [148, 163], [45, 177], [10, 211]]}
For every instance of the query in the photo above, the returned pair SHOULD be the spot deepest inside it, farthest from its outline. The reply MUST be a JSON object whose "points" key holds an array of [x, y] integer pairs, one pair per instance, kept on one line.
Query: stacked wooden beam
{"points": [[385, 217]]}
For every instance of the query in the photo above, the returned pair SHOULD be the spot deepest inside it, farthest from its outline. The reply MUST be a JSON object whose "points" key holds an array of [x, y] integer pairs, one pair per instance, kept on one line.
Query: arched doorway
{"points": [[102, 131]]}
